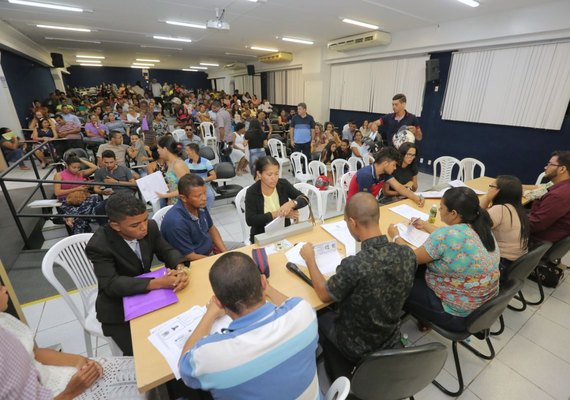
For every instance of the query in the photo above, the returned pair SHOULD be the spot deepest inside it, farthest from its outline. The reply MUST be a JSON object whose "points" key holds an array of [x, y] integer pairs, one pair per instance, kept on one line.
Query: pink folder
{"points": [[141, 304]]}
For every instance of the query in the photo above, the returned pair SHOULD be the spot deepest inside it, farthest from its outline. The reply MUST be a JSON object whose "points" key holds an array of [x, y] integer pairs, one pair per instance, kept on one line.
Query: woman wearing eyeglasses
{"points": [[406, 173], [510, 222]]}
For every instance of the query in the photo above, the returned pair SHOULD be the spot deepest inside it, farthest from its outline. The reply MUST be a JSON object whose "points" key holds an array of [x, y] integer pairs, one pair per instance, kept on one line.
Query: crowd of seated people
{"points": [[442, 282]]}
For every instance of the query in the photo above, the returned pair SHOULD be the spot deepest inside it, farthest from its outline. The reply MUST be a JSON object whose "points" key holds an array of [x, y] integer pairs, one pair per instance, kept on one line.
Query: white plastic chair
{"points": [[368, 159], [540, 178], [206, 129], [339, 389], [278, 151], [70, 254], [158, 216], [212, 143], [312, 193], [355, 163], [316, 169], [338, 169], [468, 166], [179, 135], [344, 184], [299, 160], [446, 164], [239, 202]]}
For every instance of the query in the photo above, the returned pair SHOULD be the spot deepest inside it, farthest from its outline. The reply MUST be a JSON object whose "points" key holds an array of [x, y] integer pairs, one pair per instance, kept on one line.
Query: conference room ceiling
{"points": [[125, 28]]}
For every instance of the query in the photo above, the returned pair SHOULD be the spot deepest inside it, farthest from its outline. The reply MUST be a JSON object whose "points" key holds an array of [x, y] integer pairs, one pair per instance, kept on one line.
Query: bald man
{"points": [[369, 287]]}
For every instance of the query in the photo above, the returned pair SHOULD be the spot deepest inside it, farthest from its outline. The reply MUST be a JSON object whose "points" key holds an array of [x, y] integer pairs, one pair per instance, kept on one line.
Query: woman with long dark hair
{"points": [[407, 171], [462, 262], [171, 152], [510, 222], [256, 140]]}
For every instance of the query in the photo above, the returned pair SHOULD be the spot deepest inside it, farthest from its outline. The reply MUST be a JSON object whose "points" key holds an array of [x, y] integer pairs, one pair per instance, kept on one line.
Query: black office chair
{"points": [[478, 324], [225, 172], [395, 374], [207, 153], [552, 258]]}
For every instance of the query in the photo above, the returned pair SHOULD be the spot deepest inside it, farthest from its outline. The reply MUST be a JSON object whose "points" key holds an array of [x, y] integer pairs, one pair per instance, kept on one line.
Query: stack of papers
{"points": [[409, 212], [412, 235], [459, 183], [170, 337], [432, 194], [152, 184], [340, 232], [326, 255]]}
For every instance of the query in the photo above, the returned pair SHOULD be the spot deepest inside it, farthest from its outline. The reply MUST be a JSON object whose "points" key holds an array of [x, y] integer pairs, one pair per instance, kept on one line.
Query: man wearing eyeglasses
{"points": [[191, 137], [550, 215]]}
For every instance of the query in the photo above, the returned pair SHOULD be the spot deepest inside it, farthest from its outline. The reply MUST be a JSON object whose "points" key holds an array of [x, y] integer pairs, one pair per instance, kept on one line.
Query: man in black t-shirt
{"points": [[391, 123]]}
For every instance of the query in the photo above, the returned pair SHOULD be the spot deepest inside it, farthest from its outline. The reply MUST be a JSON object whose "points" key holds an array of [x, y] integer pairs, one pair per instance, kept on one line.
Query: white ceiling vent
{"points": [[368, 39], [276, 57]]}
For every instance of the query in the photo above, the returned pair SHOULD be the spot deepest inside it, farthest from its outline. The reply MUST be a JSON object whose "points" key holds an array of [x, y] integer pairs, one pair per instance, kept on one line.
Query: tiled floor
{"points": [[533, 354]]}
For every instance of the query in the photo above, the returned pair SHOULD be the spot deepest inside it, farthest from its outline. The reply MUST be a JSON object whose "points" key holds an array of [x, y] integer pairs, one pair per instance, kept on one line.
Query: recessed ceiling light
{"points": [[210, 64], [45, 5], [302, 41], [147, 60], [189, 70], [90, 65], [64, 28], [84, 56], [72, 40], [89, 61], [263, 49], [196, 67], [145, 46], [143, 64], [172, 38], [359, 23], [188, 24], [471, 3]]}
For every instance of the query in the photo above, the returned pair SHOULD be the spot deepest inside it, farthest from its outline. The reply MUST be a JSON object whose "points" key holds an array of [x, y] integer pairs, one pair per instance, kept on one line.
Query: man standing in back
{"points": [[550, 215], [268, 350], [400, 117], [370, 289], [302, 131]]}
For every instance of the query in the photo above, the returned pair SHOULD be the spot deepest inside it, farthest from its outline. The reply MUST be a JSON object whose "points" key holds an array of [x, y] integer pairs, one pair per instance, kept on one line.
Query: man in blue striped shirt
{"points": [[302, 131], [267, 352]]}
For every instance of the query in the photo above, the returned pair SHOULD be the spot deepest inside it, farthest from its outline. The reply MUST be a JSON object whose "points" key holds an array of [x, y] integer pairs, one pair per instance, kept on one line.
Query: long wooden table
{"points": [[152, 369]]}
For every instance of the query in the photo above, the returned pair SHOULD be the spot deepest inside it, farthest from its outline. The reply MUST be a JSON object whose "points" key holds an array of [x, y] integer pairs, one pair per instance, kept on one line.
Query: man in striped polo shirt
{"points": [[267, 352], [302, 131]]}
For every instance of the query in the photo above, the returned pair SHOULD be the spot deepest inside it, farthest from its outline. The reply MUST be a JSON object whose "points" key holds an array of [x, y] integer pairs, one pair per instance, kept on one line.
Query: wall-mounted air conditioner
{"points": [[276, 57], [368, 39]]}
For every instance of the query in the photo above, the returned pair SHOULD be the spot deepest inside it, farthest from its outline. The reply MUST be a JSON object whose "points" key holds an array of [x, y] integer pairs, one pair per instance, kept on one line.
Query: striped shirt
{"points": [[302, 128], [266, 354], [201, 168]]}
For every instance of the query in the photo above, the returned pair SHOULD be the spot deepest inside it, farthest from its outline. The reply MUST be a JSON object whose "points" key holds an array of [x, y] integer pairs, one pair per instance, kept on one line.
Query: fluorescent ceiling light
{"points": [[138, 66], [172, 38], [188, 24], [210, 64], [89, 61], [145, 46], [359, 23], [96, 57], [64, 28], [264, 49], [288, 39], [147, 60], [90, 65], [144, 64], [471, 3], [189, 70], [72, 40], [45, 5], [196, 67]]}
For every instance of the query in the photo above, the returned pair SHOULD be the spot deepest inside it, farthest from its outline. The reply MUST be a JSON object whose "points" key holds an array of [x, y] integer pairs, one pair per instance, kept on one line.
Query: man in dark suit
{"points": [[123, 249]]}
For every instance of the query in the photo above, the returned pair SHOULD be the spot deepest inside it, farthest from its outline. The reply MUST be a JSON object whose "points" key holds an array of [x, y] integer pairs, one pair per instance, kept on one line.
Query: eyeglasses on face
{"points": [[552, 165]]}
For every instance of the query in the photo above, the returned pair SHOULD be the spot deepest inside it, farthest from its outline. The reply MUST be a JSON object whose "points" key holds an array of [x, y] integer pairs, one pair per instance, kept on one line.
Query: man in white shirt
{"points": [[156, 89]]}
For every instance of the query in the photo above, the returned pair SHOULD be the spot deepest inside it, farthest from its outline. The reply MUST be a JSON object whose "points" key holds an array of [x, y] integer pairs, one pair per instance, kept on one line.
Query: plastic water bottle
{"points": [[432, 214], [406, 342]]}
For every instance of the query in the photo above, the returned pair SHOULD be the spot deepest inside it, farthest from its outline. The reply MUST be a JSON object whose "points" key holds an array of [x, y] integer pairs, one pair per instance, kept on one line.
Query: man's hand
{"points": [[307, 252], [213, 310], [180, 279], [419, 201], [392, 231]]}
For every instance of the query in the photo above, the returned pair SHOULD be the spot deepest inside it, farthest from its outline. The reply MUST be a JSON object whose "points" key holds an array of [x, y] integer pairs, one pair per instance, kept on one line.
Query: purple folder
{"points": [[141, 304]]}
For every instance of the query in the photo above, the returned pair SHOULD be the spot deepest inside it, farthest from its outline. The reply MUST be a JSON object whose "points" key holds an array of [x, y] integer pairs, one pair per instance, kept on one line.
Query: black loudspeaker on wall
{"points": [[251, 69], [57, 60], [432, 70]]}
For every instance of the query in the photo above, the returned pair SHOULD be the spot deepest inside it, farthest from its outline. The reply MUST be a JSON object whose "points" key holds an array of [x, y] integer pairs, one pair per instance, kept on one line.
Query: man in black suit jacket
{"points": [[121, 250]]}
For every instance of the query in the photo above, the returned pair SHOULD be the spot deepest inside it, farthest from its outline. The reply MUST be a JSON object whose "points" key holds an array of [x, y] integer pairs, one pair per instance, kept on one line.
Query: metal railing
{"points": [[40, 181]]}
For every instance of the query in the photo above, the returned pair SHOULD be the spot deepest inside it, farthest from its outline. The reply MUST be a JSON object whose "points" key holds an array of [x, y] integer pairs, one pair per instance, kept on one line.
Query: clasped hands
{"points": [[286, 210]]}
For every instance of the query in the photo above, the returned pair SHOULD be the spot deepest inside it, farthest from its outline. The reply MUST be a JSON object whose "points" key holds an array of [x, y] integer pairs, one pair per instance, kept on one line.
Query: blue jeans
{"points": [[13, 155], [254, 154], [211, 196]]}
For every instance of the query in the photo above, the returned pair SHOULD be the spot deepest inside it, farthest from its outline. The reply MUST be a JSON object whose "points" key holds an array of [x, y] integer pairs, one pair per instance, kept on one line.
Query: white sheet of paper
{"points": [[432, 194], [409, 212], [326, 255], [412, 235], [152, 184], [169, 337], [340, 232], [275, 226], [44, 203], [459, 183]]}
